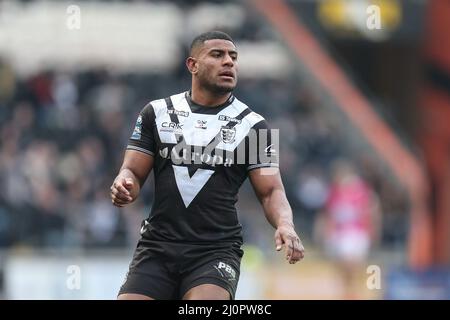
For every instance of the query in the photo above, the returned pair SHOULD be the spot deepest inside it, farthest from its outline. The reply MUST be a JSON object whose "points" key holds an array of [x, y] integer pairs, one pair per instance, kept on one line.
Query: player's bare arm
{"points": [[270, 191], [132, 175]]}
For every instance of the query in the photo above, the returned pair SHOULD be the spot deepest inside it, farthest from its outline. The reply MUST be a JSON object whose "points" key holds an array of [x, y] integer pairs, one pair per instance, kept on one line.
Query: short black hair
{"points": [[210, 35]]}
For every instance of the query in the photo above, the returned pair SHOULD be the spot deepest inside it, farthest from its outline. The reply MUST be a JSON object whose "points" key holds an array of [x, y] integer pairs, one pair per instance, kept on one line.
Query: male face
{"points": [[214, 65]]}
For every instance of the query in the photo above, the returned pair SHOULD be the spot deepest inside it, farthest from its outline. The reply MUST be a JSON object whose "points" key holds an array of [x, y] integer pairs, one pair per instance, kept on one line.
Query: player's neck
{"points": [[207, 98]]}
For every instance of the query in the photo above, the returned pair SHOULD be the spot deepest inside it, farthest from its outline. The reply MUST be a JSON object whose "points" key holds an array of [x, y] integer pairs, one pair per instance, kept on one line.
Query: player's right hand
{"points": [[121, 191]]}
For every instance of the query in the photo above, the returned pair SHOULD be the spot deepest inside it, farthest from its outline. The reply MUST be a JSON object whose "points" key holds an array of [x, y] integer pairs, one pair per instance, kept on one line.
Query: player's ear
{"points": [[192, 65]]}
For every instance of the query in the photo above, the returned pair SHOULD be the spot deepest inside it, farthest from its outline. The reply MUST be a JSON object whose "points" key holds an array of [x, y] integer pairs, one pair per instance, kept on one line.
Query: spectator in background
{"points": [[349, 224]]}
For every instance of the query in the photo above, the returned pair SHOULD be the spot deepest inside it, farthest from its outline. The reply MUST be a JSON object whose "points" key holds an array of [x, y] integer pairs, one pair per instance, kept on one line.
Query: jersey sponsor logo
{"points": [[137, 129], [184, 156], [188, 186], [229, 119], [171, 126], [227, 134], [178, 112], [201, 124]]}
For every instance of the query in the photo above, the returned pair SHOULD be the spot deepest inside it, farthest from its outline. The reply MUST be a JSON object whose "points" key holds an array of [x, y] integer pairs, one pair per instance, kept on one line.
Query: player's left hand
{"points": [[286, 236]]}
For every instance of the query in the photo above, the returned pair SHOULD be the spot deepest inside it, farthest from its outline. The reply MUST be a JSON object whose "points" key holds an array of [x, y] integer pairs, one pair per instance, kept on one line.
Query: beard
{"points": [[215, 88]]}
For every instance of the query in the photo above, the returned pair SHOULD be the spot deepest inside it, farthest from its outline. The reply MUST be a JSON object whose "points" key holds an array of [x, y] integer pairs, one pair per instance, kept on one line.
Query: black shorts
{"points": [[167, 270]]}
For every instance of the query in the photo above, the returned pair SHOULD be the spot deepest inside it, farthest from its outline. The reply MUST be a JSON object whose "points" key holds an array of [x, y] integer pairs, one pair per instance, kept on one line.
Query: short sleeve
{"points": [[262, 146], [143, 136]]}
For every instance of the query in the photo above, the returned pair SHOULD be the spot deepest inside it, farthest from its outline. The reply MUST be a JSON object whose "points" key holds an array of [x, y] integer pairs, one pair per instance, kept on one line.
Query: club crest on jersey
{"points": [[227, 134]]}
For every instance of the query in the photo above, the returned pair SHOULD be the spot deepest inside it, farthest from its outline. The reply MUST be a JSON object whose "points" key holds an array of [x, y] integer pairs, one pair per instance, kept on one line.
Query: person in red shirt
{"points": [[349, 223]]}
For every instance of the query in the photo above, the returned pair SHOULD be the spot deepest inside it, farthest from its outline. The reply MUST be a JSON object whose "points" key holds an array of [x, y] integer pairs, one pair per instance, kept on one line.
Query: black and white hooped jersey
{"points": [[202, 155]]}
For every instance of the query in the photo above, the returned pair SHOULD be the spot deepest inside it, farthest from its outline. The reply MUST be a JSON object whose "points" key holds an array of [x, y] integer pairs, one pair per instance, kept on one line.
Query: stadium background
{"points": [[73, 77]]}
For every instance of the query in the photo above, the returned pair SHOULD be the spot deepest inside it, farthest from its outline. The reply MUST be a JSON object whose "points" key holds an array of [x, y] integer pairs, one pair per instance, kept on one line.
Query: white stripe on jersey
{"points": [[161, 116], [199, 129], [189, 187]]}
